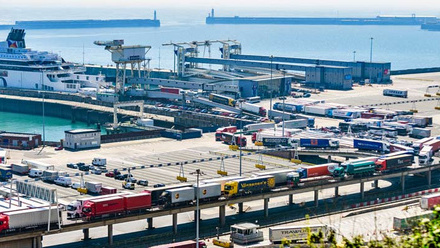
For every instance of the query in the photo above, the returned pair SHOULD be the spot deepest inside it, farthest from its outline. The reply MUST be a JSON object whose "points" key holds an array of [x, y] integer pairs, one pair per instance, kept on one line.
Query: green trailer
{"points": [[407, 223], [361, 168]]}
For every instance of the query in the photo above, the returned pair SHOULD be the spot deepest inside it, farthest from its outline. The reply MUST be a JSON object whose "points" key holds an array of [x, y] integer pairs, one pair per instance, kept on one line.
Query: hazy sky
{"points": [[384, 6]]}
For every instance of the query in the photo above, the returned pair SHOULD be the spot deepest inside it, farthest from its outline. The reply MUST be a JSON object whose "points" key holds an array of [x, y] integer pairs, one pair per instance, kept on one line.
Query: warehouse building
{"points": [[80, 139], [22, 141]]}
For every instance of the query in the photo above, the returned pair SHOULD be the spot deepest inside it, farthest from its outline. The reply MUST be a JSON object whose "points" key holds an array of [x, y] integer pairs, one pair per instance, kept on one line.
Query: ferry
{"points": [[23, 68]]}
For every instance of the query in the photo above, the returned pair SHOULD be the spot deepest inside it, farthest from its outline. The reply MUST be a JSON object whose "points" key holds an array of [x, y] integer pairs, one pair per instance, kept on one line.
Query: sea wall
{"points": [[415, 71]]}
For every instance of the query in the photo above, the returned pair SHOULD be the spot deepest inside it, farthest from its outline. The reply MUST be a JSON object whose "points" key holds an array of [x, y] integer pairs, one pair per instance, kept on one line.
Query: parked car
{"points": [[128, 185], [110, 174], [142, 182], [121, 176], [59, 148], [83, 167], [71, 165], [96, 171], [75, 185], [158, 185]]}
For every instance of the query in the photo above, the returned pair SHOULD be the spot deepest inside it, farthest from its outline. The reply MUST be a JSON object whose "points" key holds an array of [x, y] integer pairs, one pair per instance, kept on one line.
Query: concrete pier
{"points": [[222, 215], [150, 223], [336, 192], [290, 199], [174, 223], [240, 208], [266, 207], [86, 234], [402, 182], [110, 234], [316, 198], [362, 190]]}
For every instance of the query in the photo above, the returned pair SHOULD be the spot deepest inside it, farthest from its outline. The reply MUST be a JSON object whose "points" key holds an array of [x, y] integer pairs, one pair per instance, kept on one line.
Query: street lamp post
{"points": [[283, 99], [241, 137], [198, 173], [354, 56], [271, 58], [371, 56]]}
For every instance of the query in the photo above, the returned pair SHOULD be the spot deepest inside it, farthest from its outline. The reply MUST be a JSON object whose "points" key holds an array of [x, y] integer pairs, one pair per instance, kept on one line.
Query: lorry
{"points": [[253, 108], [296, 233], [399, 148], [249, 185], [418, 145], [21, 169], [317, 170], [420, 133], [74, 208], [299, 123], [232, 139], [51, 175], [219, 131], [428, 151], [103, 207], [5, 174], [157, 192], [99, 162], [272, 114], [183, 244], [221, 180], [222, 99], [177, 197], [93, 187], [310, 119], [258, 126], [408, 223], [319, 143], [395, 162], [371, 145], [27, 219], [428, 202], [321, 110]]}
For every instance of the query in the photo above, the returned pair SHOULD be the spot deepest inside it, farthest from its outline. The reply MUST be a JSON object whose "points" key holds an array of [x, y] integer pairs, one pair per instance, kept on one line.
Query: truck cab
{"points": [[231, 188], [293, 179], [425, 155], [339, 172], [74, 209], [334, 143]]}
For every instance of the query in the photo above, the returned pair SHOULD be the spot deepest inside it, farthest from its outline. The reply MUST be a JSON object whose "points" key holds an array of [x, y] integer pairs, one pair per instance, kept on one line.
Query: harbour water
{"points": [[55, 127], [404, 46]]}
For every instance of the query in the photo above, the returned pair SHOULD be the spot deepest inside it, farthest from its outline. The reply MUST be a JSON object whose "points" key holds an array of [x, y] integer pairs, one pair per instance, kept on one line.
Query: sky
{"points": [[385, 6]]}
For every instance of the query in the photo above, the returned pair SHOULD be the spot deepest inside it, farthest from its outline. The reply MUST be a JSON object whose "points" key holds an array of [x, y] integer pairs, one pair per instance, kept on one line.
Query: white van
{"points": [[63, 181], [35, 173], [99, 161]]}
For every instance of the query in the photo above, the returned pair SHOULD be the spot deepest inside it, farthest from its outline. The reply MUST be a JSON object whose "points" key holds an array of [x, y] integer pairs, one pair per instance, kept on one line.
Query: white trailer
{"points": [[318, 110], [38, 165], [296, 233], [397, 93], [208, 191], [93, 187], [300, 123], [179, 195], [30, 218], [253, 108], [279, 175], [99, 161], [258, 126]]}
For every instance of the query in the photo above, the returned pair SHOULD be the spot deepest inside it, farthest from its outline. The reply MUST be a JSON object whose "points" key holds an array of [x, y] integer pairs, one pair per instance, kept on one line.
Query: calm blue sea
{"points": [[405, 46]]}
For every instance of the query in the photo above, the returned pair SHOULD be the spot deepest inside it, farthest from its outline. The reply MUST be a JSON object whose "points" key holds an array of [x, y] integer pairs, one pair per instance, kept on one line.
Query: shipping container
{"points": [[208, 191], [296, 233], [317, 170], [428, 202], [393, 163], [141, 201], [221, 180], [276, 141], [106, 190], [318, 110]]}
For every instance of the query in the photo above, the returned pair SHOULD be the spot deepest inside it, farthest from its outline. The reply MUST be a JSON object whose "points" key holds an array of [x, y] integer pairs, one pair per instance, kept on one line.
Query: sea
{"points": [[404, 46]]}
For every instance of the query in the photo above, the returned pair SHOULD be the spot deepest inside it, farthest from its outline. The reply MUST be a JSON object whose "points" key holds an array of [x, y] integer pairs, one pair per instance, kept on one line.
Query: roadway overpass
{"points": [[34, 237]]}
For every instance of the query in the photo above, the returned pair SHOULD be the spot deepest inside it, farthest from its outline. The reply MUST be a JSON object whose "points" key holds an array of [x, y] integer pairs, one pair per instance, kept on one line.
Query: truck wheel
{"points": [[76, 215]]}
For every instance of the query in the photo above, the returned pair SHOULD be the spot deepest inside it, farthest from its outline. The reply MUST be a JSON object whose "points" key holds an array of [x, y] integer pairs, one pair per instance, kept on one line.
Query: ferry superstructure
{"points": [[21, 67]]}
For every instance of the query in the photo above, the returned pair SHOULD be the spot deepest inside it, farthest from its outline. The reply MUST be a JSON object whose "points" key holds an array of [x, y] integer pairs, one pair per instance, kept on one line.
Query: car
{"points": [[121, 176], [204, 111], [59, 148], [307, 95], [84, 168], [142, 182], [80, 164], [71, 165], [158, 185], [225, 114], [96, 171], [215, 112], [110, 174], [75, 185], [231, 115], [128, 185]]}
